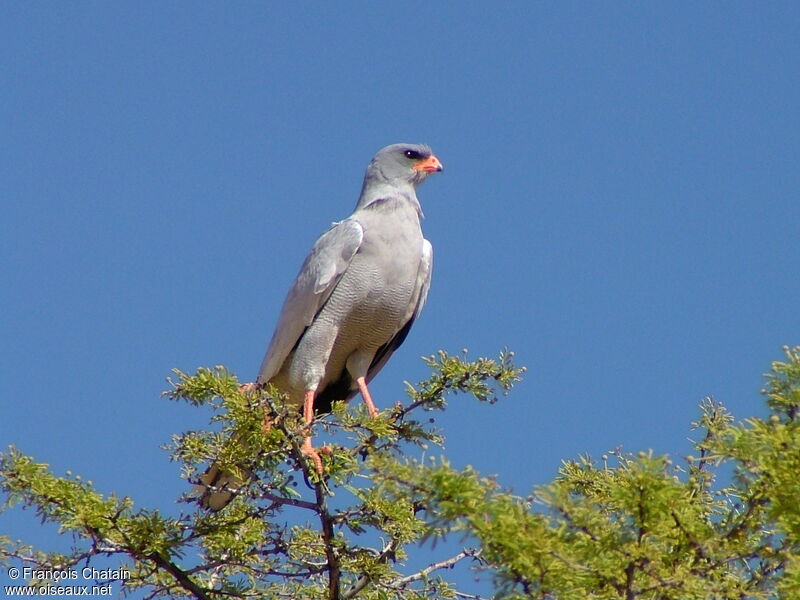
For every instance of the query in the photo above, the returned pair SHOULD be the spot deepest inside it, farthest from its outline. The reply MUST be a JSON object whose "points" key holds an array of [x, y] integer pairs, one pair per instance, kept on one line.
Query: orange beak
{"points": [[430, 164]]}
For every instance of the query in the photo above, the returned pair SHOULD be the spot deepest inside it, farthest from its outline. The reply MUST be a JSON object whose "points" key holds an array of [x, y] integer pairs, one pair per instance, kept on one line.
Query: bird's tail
{"points": [[217, 487]]}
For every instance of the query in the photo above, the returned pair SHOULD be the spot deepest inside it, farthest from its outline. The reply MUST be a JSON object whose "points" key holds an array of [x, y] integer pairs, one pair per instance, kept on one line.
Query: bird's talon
{"points": [[312, 453]]}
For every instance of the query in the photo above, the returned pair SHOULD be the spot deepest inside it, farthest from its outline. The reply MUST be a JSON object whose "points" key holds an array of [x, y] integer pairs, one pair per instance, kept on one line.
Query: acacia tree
{"points": [[632, 526]]}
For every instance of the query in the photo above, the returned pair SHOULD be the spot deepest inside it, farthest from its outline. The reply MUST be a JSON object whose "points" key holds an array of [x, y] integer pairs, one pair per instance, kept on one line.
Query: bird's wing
{"points": [[424, 277], [422, 286], [321, 271]]}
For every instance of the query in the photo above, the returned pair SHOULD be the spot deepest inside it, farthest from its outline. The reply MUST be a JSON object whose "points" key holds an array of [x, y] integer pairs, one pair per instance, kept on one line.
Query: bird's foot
{"points": [[312, 453], [373, 412], [248, 387]]}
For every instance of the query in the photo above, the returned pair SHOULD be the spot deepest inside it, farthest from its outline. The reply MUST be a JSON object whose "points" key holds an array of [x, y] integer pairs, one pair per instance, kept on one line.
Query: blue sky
{"points": [[619, 206]]}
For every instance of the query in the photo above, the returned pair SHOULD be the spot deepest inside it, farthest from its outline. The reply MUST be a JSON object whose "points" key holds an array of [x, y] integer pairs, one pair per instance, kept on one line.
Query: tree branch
{"points": [[180, 576], [364, 580], [444, 564], [326, 521]]}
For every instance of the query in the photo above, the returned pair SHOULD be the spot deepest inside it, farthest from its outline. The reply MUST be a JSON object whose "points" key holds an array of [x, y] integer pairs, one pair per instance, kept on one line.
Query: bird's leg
{"points": [[308, 415], [361, 382]]}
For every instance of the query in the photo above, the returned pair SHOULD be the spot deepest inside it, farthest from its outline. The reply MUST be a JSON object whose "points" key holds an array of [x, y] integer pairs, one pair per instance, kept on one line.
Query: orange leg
{"points": [[361, 382], [308, 415]]}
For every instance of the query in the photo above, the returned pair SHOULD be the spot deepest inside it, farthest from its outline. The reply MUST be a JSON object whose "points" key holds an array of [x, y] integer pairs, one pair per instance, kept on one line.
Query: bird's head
{"points": [[403, 163]]}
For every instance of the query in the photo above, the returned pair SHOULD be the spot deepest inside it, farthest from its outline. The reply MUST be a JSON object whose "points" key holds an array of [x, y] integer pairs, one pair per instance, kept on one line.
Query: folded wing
{"points": [[321, 271]]}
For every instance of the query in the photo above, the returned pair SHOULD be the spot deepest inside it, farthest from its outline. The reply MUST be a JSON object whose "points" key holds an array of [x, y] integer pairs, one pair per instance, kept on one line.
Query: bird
{"points": [[358, 292]]}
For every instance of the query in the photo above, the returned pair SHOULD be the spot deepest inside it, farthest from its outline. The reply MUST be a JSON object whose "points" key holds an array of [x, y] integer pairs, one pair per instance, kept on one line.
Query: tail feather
{"points": [[217, 488]]}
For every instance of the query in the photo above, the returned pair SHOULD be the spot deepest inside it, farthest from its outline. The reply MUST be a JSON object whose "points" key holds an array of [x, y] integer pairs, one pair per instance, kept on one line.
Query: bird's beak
{"points": [[429, 165]]}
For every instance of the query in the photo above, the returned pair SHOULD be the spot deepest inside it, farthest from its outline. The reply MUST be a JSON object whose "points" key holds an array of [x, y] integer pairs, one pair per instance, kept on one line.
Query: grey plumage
{"points": [[355, 298]]}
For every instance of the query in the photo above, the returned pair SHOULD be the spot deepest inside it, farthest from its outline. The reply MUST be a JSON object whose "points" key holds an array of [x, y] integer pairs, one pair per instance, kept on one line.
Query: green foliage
{"points": [[724, 522]]}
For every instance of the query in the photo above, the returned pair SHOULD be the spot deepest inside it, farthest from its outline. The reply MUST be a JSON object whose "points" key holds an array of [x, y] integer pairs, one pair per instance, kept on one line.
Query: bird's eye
{"points": [[413, 154]]}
